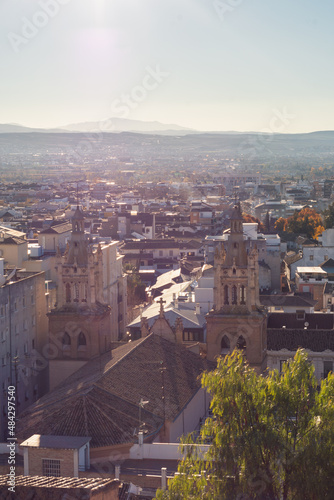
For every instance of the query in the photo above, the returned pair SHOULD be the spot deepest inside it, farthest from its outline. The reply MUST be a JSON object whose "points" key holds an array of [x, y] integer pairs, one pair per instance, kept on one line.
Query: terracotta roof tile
{"points": [[101, 399]]}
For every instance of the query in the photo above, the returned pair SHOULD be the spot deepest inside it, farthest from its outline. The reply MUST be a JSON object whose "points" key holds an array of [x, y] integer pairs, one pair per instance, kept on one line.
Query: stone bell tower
{"points": [[79, 326], [237, 319]]}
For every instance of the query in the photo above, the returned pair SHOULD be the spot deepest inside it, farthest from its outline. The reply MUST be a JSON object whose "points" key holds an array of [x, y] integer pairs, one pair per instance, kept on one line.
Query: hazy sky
{"points": [[206, 64]]}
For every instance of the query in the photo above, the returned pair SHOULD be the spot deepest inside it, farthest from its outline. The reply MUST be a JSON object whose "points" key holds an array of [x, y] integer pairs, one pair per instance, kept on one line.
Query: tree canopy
{"points": [[272, 437], [251, 218], [307, 221]]}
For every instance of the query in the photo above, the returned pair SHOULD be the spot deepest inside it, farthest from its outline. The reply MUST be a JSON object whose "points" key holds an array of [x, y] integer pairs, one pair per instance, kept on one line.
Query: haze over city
{"points": [[206, 65]]}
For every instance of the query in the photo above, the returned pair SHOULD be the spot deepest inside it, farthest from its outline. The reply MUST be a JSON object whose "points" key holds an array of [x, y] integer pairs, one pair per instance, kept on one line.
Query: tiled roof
{"points": [[101, 399], [316, 321], [60, 482], [58, 228], [292, 339], [55, 442], [185, 311], [292, 257], [328, 263], [286, 301]]}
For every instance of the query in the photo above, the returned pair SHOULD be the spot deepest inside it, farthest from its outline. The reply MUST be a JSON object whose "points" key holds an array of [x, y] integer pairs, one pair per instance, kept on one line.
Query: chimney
{"points": [[140, 438], [176, 302], [117, 471], [198, 309], [163, 478]]}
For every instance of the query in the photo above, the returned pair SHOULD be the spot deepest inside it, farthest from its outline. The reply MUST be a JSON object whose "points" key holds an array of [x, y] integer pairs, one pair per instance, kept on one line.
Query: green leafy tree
{"points": [[272, 436]]}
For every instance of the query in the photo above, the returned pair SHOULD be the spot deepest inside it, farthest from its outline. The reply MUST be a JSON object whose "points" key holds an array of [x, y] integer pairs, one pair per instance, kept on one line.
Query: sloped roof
{"points": [[316, 321], [68, 483], [184, 310], [167, 279], [13, 240], [328, 263], [64, 227], [55, 442], [101, 399], [292, 257], [292, 339], [286, 301]]}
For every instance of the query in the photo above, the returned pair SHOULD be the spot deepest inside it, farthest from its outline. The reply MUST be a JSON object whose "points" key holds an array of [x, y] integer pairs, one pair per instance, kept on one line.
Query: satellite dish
{"points": [[306, 324]]}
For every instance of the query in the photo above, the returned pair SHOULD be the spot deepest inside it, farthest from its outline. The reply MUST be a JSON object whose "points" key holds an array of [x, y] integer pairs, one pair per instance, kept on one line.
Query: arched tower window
{"points": [[226, 302], [66, 339], [76, 288], [68, 292], [234, 295], [242, 295], [241, 343], [225, 343], [81, 340]]}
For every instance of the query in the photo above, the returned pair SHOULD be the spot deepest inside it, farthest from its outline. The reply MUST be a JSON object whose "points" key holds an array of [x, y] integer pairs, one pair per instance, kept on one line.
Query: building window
{"points": [[161, 253], [300, 314], [66, 339], [68, 292], [242, 295], [171, 253], [51, 468], [226, 295], [188, 336], [311, 257], [234, 295], [241, 343], [326, 257], [81, 340], [191, 336], [225, 344]]}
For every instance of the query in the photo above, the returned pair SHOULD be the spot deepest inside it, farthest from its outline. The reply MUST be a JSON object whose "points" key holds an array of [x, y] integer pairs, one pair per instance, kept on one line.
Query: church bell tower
{"points": [[237, 319], [79, 326]]}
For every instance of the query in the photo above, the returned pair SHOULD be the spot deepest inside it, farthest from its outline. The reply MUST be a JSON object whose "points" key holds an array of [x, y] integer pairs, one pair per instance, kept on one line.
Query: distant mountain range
{"points": [[118, 125], [110, 125]]}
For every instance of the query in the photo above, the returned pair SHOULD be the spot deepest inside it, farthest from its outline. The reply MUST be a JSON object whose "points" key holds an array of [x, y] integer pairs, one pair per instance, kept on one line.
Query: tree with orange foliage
{"points": [[281, 224], [307, 221], [250, 218]]}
